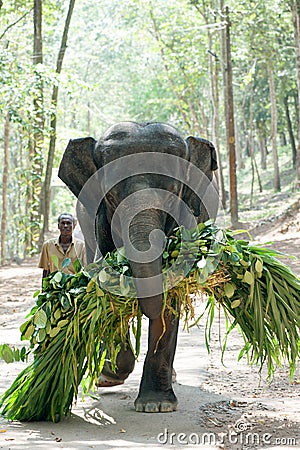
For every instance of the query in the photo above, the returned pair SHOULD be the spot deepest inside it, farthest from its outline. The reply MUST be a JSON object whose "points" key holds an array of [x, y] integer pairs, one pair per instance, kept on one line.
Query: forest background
{"points": [[228, 71]]}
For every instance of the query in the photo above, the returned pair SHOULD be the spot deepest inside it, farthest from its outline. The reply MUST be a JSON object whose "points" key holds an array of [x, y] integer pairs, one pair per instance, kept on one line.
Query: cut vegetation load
{"points": [[79, 321]]}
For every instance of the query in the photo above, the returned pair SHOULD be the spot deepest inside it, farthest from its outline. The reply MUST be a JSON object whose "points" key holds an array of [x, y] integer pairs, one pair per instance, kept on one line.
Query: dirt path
{"points": [[220, 406]]}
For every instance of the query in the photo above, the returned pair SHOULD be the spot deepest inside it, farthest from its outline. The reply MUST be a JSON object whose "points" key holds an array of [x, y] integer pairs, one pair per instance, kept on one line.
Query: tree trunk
{"points": [[290, 130], [39, 120], [295, 4], [20, 206], [216, 134], [283, 142], [263, 151], [230, 124], [239, 146], [276, 176], [296, 106], [224, 69], [4, 187], [214, 88], [51, 151], [254, 167], [213, 66]]}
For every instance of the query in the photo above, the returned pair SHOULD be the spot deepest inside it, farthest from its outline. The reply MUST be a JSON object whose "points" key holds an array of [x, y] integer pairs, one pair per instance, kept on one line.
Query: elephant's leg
{"points": [[156, 393], [125, 365]]}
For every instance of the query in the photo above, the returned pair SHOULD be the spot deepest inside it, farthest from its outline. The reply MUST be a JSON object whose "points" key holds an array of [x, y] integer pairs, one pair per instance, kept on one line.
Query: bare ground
{"points": [[228, 406]]}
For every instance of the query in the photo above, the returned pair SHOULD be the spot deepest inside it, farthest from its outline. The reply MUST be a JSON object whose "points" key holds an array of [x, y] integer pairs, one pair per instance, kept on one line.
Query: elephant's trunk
{"points": [[144, 252]]}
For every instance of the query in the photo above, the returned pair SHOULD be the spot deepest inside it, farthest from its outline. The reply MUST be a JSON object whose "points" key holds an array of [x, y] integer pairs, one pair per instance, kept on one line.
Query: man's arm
{"points": [[44, 261], [45, 273]]}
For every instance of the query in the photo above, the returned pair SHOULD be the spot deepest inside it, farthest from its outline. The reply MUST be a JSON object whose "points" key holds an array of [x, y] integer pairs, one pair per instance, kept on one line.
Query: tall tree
{"points": [[4, 188], [285, 101], [254, 167], [37, 149], [295, 5], [53, 123], [229, 106], [213, 70], [276, 177]]}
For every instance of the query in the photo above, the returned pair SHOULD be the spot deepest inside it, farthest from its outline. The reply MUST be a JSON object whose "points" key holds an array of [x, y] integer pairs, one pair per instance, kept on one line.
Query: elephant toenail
{"points": [[152, 407], [168, 407], [139, 407]]}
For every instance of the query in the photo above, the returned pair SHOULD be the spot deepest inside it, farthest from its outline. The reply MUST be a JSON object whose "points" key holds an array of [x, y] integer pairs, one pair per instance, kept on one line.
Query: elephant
{"points": [[154, 179]]}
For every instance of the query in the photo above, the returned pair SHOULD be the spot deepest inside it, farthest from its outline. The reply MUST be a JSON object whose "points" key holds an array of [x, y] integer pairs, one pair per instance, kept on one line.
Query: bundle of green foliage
{"points": [[76, 324]]}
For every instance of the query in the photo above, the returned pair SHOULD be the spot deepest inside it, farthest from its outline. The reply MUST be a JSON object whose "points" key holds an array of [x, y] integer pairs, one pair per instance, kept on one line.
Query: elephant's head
{"points": [[149, 177]]}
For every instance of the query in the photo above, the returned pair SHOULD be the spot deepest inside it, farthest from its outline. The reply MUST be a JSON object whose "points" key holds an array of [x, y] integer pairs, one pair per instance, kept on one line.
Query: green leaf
{"points": [[54, 332], [138, 332], [77, 266], [57, 314], [24, 326], [40, 318], [235, 303], [23, 354], [244, 263], [57, 277], [120, 253], [91, 286], [103, 276], [62, 323], [124, 269], [201, 264], [64, 301], [66, 262], [16, 353], [186, 234], [7, 354], [40, 337], [29, 332], [99, 291], [48, 327], [48, 308], [258, 266], [122, 282], [125, 290], [55, 261], [229, 290], [248, 277]]}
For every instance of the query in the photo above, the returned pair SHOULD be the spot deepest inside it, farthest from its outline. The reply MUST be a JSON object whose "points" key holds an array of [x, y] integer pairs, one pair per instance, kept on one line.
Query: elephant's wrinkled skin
{"points": [[82, 159]]}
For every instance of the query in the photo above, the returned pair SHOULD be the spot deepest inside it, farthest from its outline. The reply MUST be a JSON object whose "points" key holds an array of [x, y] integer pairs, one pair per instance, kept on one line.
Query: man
{"points": [[65, 246]]}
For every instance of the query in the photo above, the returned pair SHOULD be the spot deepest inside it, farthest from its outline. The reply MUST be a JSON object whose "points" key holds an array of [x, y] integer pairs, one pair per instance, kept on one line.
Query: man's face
{"points": [[66, 226]]}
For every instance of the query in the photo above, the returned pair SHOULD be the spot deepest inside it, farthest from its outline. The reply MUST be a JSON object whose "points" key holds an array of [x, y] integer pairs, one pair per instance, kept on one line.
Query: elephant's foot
{"points": [[106, 381], [156, 401], [125, 365]]}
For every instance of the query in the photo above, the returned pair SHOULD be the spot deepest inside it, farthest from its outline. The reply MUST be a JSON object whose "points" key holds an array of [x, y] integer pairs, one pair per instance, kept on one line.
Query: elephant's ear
{"points": [[202, 154], [77, 164]]}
